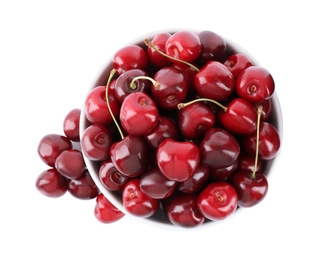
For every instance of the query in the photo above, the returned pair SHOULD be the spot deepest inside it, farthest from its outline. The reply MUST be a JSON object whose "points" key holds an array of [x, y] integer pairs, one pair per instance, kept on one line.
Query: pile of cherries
{"points": [[181, 126]]}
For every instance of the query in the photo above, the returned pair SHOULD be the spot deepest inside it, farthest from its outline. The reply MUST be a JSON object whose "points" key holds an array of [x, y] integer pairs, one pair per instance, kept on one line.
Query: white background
{"points": [[50, 52]]}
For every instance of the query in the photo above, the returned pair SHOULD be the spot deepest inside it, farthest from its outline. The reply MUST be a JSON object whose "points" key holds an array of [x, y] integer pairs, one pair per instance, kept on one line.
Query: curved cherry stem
{"points": [[113, 71], [155, 83], [260, 108], [182, 105], [150, 44]]}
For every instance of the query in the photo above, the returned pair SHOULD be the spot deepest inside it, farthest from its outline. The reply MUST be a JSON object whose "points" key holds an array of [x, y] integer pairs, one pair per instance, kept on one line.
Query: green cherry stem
{"points": [[260, 108], [150, 44], [182, 105], [113, 71], [155, 83]]}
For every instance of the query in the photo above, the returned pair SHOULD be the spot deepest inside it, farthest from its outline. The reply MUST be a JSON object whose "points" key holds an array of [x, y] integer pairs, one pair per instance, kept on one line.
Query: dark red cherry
{"points": [[224, 173], [177, 160], [51, 183], [71, 164], [83, 188], [250, 190], [237, 62], [51, 146], [194, 120], [247, 163], [139, 114], [218, 148], [184, 45], [182, 210], [214, 81], [189, 72], [130, 57], [130, 156], [136, 202], [105, 211], [255, 84], [240, 117], [217, 201], [171, 90], [122, 87], [96, 141], [266, 108], [71, 125], [213, 47], [269, 142]]}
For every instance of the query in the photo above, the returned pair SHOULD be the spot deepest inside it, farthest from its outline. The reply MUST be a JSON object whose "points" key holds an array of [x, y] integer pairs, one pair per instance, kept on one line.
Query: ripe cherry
{"points": [[71, 164], [224, 173], [247, 163], [71, 125], [266, 108], [237, 62]]}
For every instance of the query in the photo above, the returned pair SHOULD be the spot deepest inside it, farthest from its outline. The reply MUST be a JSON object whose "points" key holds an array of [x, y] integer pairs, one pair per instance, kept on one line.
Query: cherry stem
{"points": [[113, 71], [182, 105], [260, 108], [155, 83], [150, 44]]}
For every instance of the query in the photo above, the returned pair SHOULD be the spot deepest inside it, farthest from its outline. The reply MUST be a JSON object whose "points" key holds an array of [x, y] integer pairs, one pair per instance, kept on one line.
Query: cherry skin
{"points": [[184, 45], [71, 125], [136, 202], [194, 120], [250, 190], [51, 183], [240, 117], [96, 141], [105, 211], [217, 201], [266, 108], [189, 72], [225, 173], [83, 188], [182, 210], [172, 89], [247, 163], [71, 164], [156, 185], [130, 156], [213, 47], [214, 81], [139, 114], [110, 177], [51, 146], [177, 160], [255, 84], [130, 57], [237, 62], [218, 148], [122, 86]]}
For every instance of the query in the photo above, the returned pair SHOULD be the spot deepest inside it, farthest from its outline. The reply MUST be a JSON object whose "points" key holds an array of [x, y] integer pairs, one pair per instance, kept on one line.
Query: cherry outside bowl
{"points": [[160, 219]]}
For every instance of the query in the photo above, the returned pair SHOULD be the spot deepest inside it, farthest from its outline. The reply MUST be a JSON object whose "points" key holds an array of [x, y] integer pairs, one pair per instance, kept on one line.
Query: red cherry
{"points": [[139, 114], [71, 164], [177, 160], [217, 201], [189, 72], [266, 108], [255, 84], [105, 211], [71, 125], [130, 57], [136, 202], [51, 183], [224, 173], [237, 62], [247, 163], [51, 146]]}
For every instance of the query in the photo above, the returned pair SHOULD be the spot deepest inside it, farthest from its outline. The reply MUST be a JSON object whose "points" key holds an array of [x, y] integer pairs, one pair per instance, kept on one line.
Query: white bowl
{"points": [[160, 220]]}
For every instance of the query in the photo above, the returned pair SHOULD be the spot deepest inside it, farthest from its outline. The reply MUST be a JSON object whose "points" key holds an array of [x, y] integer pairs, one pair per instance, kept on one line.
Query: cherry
{"points": [[177, 160], [189, 72], [110, 177], [136, 202], [71, 125], [217, 201], [255, 84], [224, 173], [194, 120], [51, 183], [197, 181], [130, 57], [247, 163], [71, 164], [214, 81], [184, 45], [213, 47], [83, 188], [137, 108], [105, 211], [218, 148], [51, 146], [182, 210], [96, 141], [266, 108], [156, 185], [237, 62]]}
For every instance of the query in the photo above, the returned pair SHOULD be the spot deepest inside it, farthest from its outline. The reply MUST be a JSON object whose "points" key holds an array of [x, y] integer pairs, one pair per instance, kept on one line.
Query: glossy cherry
{"points": [[71, 125], [177, 160], [224, 173], [136, 202], [266, 108], [189, 72], [237, 62], [247, 163], [71, 164], [51, 183], [217, 201]]}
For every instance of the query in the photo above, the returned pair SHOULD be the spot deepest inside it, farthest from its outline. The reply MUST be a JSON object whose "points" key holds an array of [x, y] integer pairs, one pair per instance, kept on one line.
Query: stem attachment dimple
{"points": [[155, 83], [260, 108], [182, 105]]}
